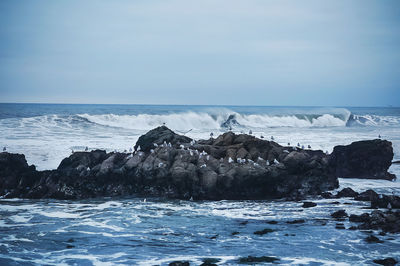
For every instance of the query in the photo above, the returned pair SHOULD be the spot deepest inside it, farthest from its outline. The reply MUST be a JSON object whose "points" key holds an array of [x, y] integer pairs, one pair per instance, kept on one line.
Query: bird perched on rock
{"points": [[155, 145], [211, 134], [272, 138], [86, 149], [309, 146], [230, 160], [250, 132], [4, 149]]}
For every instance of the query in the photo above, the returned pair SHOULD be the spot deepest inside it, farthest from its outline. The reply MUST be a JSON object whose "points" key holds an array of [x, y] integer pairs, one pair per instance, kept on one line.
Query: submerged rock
{"points": [[252, 260], [386, 261]]}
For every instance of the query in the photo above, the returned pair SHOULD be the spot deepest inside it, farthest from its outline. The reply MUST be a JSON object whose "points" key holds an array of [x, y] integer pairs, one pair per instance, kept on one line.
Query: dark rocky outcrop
{"points": [[339, 214], [309, 204], [159, 136], [229, 167], [386, 261], [386, 221], [363, 159]]}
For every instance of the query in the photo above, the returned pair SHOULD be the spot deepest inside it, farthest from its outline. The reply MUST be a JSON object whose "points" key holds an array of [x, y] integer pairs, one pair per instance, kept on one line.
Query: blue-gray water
{"points": [[130, 231]]}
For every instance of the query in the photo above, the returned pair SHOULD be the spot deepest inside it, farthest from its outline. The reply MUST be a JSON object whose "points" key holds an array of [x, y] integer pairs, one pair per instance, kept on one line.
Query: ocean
{"points": [[157, 231]]}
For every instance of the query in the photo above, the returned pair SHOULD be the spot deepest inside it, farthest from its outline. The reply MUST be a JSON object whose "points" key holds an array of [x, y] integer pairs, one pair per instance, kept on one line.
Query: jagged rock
{"points": [[346, 192], [363, 159], [368, 195], [388, 222]]}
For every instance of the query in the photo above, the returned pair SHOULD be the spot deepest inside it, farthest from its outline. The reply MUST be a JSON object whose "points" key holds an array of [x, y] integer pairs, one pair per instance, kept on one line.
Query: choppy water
{"points": [[158, 231]]}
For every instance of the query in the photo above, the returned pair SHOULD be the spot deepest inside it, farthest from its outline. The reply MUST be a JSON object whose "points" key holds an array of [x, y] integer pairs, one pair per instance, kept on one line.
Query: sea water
{"points": [[130, 231]]}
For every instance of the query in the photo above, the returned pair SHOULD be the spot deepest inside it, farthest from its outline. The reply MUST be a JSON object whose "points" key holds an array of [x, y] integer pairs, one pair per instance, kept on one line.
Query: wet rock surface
{"points": [[363, 159], [170, 165]]}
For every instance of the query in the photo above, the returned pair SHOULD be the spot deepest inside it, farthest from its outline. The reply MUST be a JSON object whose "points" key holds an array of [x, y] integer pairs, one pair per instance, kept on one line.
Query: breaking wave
{"points": [[207, 120]]}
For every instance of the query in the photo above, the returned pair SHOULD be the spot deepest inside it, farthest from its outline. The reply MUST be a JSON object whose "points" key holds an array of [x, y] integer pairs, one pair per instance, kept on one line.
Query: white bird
{"points": [[286, 151], [380, 196], [267, 163], [203, 165], [221, 160], [239, 160], [152, 151], [181, 146], [181, 156], [139, 148], [155, 145], [160, 164], [191, 199], [230, 160], [88, 169], [144, 200], [165, 144], [130, 155], [191, 153], [208, 157], [389, 206], [276, 161], [169, 144]]}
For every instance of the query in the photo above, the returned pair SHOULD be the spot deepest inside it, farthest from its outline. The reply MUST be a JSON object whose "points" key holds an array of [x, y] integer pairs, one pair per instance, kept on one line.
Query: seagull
{"points": [[191, 153], [163, 123], [302, 146], [191, 199], [181, 146], [144, 200], [288, 143], [86, 149], [169, 145], [139, 148], [276, 161], [309, 146], [208, 157], [239, 160], [165, 144], [211, 134], [152, 151], [379, 136], [267, 163], [298, 144], [155, 145], [272, 138], [160, 164], [262, 136], [5, 149], [88, 169], [230, 160], [72, 151], [203, 165], [250, 132], [389, 206]]}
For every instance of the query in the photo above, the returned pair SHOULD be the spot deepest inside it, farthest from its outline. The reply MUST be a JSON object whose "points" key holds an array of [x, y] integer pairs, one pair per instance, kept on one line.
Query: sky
{"points": [[217, 52]]}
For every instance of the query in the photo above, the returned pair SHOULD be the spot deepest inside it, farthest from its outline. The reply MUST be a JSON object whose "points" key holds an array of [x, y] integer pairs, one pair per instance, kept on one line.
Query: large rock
{"points": [[363, 159], [160, 135], [229, 167]]}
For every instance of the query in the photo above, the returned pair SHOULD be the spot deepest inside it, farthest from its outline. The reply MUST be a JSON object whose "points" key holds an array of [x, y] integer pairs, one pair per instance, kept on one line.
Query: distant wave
{"points": [[206, 120]]}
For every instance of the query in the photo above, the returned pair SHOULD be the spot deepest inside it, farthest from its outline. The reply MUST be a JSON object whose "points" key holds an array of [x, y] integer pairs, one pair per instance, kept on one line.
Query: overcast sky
{"points": [[325, 53]]}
